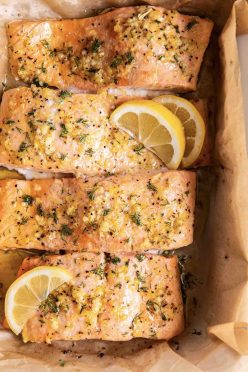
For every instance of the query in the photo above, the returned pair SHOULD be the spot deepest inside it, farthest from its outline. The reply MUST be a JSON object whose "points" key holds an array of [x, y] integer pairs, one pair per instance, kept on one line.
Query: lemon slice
{"points": [[28, 291], [193, 123], [155, 127]]}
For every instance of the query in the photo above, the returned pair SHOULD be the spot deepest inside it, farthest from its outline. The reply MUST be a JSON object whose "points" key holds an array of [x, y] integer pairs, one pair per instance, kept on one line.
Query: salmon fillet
{"points": [[110, 298], [43, 131], [138, 47], [119, 213], [49, 130]]}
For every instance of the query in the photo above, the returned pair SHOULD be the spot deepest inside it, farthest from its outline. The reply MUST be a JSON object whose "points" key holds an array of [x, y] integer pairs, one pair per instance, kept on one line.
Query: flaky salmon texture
{"points": [[118, 213], [138, 47], [109, 298]]}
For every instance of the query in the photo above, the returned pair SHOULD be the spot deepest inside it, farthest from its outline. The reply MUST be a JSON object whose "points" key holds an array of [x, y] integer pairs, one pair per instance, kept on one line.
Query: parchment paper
{"points": [[216, 274]]}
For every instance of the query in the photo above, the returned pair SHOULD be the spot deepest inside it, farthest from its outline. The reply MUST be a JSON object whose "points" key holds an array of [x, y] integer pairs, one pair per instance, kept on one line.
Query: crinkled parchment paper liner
{"points": [[220, 256], [229, 216]]}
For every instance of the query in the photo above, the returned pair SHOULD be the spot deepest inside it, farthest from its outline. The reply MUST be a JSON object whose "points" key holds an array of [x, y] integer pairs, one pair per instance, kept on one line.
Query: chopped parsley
{"points": [[64, 130], [9, 122], [64, 93], [99, 271], [40, 210], [150, 186], [55, 217], [28, 199], [49, 305], [62, 156], [81, 120], [38, 83], [140, 257], [45, 43], [82, 138], [140, 277], [65, 230], [62, 363], [106, 212], [151, 306], [23, 221], [91, 194], [115, 260], [191, 24], [43, 68], [119, 59], [23, 146], [136, 219], [96, 45]]}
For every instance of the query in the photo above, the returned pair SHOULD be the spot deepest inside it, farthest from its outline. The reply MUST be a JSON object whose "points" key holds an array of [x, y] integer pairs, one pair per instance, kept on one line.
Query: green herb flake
{"points": [[191, 24], [23, 221], [65, 230], [99, 271], [64, 130], [140, 257], [45, 43], [128, 58], [96, 45], [106, 212], [62, 363], [117, 60], [140, 277], [64, 94], [28, 199], [54, 215], [39, 210], [49, 305], [62, 156], [43, 68], [136, 219], [81, 120], [115, 260], [150, 186], [82, 138], [151, 306], [38, 83], [23, 146], [91, 194], [9, 122]]}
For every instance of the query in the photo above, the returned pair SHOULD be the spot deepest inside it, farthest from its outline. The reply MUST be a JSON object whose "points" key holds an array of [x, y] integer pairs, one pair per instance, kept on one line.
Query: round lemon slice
{"points": [[193, 123], [28, 291], [155, 127]]}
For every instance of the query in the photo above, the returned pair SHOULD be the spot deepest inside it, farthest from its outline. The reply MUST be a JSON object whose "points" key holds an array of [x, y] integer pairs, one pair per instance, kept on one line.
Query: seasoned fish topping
{"points": [[144, 46], [49, 130], [119, 213], [110, 298]]}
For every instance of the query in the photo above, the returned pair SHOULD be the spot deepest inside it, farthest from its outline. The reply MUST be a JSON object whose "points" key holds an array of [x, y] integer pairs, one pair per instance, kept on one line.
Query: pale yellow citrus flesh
{"points": [[26, 293], [193, 124], [154, 126]]}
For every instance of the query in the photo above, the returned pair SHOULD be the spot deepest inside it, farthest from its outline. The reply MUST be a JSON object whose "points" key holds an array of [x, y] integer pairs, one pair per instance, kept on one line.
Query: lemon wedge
{"points": [[155, 127], [193, 123], [28, 291]]}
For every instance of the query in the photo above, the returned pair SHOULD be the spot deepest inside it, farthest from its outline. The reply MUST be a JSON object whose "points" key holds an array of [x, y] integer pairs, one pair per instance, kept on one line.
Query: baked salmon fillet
{"points": [[48, 130], [109, 298], [139, 47], [118, 213]]}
